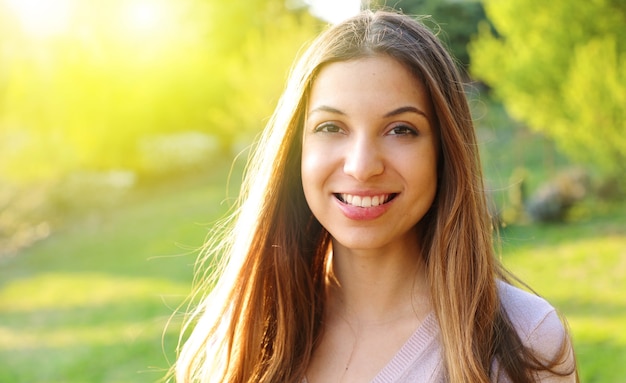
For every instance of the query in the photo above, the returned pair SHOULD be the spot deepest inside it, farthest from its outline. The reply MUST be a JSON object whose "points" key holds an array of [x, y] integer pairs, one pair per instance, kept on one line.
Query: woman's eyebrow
{"points": [[406, 109], [326, 108]]}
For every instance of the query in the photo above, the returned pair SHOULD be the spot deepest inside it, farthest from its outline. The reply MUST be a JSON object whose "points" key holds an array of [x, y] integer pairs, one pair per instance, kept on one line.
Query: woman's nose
{"points": [[363, 159]]}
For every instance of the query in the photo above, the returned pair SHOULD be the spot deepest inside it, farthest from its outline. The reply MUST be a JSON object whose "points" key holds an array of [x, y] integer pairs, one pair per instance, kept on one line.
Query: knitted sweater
{"points": [[537, 323]]}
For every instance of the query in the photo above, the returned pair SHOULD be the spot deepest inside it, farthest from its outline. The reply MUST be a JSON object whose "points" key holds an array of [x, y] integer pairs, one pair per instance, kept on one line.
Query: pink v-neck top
{"points": [[536, 321]]}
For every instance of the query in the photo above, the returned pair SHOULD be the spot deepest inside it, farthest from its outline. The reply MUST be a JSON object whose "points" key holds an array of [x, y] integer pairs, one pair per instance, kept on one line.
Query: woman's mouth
{"points": [[365, 201]]}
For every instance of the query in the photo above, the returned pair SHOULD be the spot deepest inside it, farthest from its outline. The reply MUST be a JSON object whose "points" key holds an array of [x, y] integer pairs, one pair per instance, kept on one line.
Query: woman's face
{"points": [[369, 156]]}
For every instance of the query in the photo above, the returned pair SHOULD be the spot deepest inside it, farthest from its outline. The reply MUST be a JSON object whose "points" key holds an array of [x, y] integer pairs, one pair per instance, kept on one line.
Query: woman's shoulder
{"points": [[525, 310], [536, 321]]}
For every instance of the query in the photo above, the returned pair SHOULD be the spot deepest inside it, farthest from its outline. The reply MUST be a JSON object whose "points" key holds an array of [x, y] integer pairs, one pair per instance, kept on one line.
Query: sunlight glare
{"points": [[144, 15], [335, 11], [42, 18]]}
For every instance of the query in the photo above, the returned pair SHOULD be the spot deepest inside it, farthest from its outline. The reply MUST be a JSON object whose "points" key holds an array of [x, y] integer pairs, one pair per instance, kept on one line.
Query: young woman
{"points": [[361, 249]]}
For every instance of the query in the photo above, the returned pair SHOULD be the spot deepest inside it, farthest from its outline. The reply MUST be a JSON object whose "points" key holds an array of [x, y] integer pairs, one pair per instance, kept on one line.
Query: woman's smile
{"points": [[364, 206], [365, 200]]}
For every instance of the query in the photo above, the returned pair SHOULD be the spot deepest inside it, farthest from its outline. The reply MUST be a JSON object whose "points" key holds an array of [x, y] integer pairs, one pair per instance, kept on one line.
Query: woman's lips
{"points": [[364, 207]]}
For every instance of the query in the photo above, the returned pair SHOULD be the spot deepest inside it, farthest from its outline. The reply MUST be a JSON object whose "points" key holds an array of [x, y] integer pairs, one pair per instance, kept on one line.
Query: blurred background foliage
{"points": [[99, 96], [560, 67], [82, 84]]}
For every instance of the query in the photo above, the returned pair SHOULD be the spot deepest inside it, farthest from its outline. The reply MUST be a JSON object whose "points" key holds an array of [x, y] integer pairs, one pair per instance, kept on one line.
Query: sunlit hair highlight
{"points": [[262, 318]]}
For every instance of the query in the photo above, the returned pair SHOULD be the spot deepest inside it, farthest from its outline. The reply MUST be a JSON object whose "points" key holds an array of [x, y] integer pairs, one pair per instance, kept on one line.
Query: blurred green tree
{"points": [[82, 83], [560, 67]]}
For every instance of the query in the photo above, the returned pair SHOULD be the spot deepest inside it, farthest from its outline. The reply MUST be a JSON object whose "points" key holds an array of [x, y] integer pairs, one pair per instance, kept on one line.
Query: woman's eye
{"points": [[402, 130], [328, 128]]}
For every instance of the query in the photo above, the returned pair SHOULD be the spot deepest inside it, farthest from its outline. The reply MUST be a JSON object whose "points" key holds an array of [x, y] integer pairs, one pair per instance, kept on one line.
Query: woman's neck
{"points": [[376, 287]]}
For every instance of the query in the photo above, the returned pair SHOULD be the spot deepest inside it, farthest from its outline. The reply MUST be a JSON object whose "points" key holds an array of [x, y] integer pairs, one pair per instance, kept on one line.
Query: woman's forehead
{"points": [[374, 79]]}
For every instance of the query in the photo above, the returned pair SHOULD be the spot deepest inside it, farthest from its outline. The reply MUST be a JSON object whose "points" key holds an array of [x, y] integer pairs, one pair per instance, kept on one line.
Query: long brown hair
{"points": [[262, 318]]}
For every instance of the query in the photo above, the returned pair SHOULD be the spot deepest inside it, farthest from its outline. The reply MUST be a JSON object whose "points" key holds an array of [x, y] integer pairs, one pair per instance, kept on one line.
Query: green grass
{"points": [[91, 303]]}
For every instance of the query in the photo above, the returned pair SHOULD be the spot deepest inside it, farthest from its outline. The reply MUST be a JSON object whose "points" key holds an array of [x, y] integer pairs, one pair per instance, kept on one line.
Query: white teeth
{"points": [[365, 201]]}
